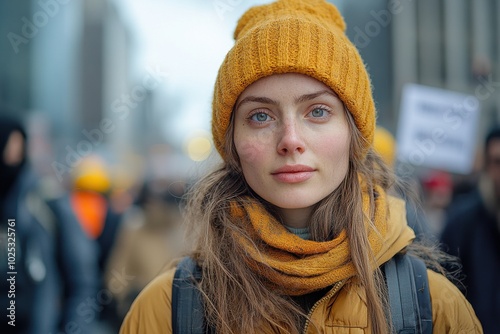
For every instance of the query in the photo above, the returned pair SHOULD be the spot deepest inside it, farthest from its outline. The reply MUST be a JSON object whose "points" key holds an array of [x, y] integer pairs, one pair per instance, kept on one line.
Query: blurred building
{"points": [[450, 44], [71, 62], [373, 41], [15, 67]]}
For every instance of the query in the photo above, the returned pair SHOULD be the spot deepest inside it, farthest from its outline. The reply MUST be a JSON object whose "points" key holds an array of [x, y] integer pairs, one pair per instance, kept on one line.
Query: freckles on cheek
{"points": [[249, 151]]}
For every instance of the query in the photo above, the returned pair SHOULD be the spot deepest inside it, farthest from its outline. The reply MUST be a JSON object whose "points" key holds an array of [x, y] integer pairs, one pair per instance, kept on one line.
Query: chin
{"points": [[296, 203]]}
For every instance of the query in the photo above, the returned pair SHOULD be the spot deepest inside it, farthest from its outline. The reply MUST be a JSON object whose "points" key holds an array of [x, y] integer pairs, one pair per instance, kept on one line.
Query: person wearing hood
{"points": [[472, 232], [291, 230], [54, 267]]}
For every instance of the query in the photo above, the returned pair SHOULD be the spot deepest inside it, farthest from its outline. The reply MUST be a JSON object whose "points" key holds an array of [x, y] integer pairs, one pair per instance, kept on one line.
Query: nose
{"points": [[291, 140]]}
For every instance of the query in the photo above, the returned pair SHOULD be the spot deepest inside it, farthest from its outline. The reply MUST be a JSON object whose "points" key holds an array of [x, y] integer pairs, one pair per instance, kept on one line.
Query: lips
{"points": [[293, 173]]}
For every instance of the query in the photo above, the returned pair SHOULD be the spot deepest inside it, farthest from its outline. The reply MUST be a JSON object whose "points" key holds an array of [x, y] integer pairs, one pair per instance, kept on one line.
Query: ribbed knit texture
{"points": [[296, 266], [293, 36]]}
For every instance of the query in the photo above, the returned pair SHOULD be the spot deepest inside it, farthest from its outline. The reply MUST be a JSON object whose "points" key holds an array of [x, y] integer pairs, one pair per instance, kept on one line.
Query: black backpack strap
{"points": [[409, 295], [423, 294], [187, 305]]}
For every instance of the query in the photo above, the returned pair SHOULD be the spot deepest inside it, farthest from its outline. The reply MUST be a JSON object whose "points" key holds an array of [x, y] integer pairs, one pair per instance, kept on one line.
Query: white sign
{"points": [[437, 128]]}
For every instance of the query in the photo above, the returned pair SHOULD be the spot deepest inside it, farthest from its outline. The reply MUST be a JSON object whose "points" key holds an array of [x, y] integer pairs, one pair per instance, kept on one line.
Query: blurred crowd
{"points": [[85, 247], [462, 214]]}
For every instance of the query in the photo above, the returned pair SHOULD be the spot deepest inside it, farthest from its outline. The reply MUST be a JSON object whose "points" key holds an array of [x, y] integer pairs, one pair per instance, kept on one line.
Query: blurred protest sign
{"points": [[437, 128]]}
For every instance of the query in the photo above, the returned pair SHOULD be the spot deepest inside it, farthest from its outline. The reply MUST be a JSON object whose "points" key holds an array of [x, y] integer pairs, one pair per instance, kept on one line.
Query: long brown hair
{"points": [[237, 298]]}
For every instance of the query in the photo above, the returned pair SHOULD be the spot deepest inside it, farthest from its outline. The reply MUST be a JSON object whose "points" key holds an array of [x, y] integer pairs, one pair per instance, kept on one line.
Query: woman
{"points": [[291, 230]]}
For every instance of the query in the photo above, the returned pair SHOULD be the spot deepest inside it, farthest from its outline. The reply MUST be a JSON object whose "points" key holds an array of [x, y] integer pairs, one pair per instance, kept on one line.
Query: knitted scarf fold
{"points": [[299, 266]]}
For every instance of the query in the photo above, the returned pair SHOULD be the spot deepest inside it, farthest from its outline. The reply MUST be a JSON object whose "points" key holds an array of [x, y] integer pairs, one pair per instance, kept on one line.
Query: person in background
{"points": [[291, 229], [56, 264], [385, 145], [89, 195], [437, 186], [148, 239], [90, 201], [472, 232]]}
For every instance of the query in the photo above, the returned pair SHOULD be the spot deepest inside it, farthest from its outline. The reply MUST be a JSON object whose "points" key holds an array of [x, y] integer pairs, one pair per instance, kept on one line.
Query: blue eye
{"points": [[259, 117], [318, 112]]}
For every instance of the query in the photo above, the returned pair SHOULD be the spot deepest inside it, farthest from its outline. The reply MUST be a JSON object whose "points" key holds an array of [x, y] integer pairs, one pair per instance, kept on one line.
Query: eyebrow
{"points": [[260, 99], [307, 97], [300, 99]]}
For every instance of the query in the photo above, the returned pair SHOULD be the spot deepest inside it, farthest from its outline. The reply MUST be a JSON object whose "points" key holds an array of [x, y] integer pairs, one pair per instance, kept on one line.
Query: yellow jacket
{"points": [[341, 311]]}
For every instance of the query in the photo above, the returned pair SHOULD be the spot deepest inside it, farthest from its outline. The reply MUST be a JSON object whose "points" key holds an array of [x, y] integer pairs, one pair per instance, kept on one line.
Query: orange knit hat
{"points": [[299, 36]]}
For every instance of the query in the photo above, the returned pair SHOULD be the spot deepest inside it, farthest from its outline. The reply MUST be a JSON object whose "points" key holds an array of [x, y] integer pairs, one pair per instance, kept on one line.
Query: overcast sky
{"points": [[188, 40]]}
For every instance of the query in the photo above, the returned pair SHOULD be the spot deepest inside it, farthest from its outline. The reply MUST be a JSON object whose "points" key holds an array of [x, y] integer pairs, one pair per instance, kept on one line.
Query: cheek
{"points": [[249, 151], [335, 153], [252, 159], [251, 146], [335, 148]]}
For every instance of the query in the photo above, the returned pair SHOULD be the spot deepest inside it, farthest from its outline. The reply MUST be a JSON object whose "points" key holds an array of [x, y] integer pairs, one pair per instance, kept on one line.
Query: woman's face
{"points": [[292, 137]]}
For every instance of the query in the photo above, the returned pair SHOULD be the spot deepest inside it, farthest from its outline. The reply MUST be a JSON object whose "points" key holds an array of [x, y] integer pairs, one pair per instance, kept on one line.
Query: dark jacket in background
{"points": [[56, 263], [472, 234]]}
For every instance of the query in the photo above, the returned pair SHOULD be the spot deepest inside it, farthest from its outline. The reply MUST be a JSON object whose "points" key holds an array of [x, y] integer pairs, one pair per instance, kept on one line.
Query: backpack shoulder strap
{"points": [[187, 306], [409, 295]]}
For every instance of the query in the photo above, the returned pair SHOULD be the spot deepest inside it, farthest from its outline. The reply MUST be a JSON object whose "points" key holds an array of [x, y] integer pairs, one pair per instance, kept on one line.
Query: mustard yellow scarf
{"points": [[299, 266]]}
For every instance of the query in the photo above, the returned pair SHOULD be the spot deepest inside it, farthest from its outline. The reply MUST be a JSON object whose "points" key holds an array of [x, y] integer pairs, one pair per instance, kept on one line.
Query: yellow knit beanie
{"points": [[299, 36]]}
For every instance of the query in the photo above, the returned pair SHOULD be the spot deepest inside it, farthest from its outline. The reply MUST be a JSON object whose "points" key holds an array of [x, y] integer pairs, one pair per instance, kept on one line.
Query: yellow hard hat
{"points": [[92, 174], [385, 145]]}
